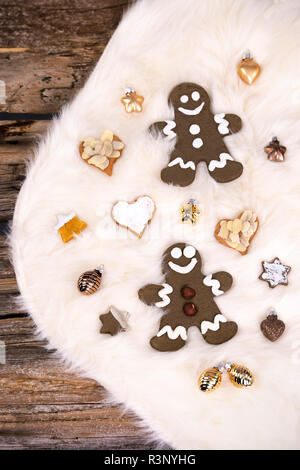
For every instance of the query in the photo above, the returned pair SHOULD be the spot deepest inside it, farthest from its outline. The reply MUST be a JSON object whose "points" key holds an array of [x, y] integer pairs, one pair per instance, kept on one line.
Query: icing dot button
{"points": [[194, 129], [187, 292], [190, 309], [197, 143]]}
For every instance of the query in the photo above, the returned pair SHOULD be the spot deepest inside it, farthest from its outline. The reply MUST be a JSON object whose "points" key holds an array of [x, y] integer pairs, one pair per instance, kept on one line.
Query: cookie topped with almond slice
{"points": [[238, 233], [102, 153]]}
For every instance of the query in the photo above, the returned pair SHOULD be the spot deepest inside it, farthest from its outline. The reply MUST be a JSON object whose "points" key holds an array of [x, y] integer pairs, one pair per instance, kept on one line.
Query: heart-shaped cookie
{"points": [[271, 327], [136, 215], [103, 153], [238, 233]]}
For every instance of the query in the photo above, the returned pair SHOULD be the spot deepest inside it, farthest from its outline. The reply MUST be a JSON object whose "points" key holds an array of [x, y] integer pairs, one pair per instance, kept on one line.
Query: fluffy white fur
{"points": [[158, 45]]}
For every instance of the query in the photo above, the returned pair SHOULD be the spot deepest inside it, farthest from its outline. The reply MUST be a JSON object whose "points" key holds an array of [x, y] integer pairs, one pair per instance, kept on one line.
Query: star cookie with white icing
{"points": [[275, 273], [187, 298]]}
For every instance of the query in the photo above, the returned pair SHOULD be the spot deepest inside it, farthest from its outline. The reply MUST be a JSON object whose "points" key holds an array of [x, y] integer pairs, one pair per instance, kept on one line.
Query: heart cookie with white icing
{"points": [[238, 233], [136, 215]]}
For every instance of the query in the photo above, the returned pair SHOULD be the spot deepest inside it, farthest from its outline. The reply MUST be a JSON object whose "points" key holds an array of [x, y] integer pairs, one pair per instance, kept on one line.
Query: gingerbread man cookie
{"points": [[187, 298], [199, 136]]}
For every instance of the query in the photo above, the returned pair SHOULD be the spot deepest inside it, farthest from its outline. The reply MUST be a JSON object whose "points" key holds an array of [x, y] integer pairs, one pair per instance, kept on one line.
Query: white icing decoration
{"points": [[223, 123], [163, 294], [214, 284], [183, 269], [173, 334], [276, 273], [63, 219], [189, 251], [176, 253], [194, 129], [136, 215], [220, 163], [184, 99], [197, 143], [215, 325], [179, 161], [121, 317], [192, 112], [167, 130], [196, 95]]}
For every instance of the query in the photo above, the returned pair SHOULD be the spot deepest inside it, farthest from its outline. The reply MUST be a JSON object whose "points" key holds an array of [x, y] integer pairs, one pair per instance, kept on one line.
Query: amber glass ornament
{"points": [[248, 70], [133, 103], [275, 151]]}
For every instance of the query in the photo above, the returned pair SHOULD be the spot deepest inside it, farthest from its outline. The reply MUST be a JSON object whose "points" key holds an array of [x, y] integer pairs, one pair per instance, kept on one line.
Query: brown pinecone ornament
{"points": [[275, 151], [89, 282]]}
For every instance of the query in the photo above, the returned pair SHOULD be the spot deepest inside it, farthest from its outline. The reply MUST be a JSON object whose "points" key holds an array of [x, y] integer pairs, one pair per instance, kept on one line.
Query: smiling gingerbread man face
{"points": [[181, 258], [189, 99]]}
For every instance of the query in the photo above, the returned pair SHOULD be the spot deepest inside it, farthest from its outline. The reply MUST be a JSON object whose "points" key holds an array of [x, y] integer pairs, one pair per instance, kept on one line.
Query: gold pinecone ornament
{"points": [[239, 376], [210, 379], [89, 282]]}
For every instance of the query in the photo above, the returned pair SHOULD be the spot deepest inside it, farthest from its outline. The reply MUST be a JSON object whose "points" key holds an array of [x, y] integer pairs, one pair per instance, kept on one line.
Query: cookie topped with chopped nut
{"points": [[238, 233]]}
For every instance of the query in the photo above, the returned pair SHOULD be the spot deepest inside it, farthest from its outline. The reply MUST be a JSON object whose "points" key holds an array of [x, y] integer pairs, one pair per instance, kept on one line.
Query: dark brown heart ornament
{"points": [[271, 327]]}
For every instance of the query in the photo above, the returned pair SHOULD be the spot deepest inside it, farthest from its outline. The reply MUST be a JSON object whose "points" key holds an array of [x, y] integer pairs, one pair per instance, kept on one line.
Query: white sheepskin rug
{"points": [[158, 45]]}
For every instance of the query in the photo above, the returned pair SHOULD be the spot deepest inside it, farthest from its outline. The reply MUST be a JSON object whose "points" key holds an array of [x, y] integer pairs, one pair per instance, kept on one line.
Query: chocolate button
{"points": [[190, 309], [187, 293]]}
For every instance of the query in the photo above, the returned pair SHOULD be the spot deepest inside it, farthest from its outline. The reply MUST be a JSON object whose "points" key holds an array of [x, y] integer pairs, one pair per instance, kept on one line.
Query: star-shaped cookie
{"points": [[275, 273], [114, 321]]}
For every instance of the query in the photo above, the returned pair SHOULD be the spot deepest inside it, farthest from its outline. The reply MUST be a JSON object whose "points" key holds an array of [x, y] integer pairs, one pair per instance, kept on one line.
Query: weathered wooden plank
{"points": [[88, 443], [56, 62], [12, 175], [11, 154], [61, 425], [43, 406], [18, 330], [8, 286], [9, 307], [21, 131]]}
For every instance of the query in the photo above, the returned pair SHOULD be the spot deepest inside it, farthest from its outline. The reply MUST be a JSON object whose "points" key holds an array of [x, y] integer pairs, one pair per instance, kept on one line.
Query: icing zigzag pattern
{"points": [[180, 162], [214, 284], [163, 294], [220, 163], [173, 334], [214, 326], [167, 130], [223, 123]]}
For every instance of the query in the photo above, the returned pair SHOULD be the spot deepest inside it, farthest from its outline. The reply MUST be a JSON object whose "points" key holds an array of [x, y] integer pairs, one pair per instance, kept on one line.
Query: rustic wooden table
{"points": [[47, 49]]}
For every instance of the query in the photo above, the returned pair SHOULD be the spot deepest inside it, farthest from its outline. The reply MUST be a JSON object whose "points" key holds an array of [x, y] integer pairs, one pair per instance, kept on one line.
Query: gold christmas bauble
{"points": [[240, 376], [210, 379], [248, 70]]}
